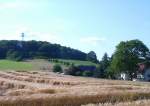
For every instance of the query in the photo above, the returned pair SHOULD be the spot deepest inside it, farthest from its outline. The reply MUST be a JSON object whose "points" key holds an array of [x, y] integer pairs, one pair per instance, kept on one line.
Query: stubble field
{"points": [[49, 89]]}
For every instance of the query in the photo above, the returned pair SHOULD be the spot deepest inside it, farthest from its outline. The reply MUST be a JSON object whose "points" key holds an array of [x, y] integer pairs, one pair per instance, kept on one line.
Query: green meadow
{"points": [[77, 62], [13, 65]]}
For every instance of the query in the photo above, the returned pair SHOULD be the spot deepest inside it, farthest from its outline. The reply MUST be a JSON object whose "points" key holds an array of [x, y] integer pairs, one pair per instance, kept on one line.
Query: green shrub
{"points": [[78, 73], [87, 73], [57, 68], [66, 63], [71, 70], [56, 60]]}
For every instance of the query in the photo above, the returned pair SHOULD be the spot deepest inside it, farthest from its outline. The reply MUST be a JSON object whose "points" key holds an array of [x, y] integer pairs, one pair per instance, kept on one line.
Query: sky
{"points": [[87, 25]]}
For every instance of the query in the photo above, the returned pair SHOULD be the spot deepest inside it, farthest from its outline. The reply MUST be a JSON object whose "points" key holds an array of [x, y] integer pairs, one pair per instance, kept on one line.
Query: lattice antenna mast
{"points": [[22, 36]]}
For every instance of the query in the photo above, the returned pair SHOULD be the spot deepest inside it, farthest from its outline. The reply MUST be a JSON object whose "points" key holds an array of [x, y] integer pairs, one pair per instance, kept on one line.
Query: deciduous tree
{"points": [[127, 56]]}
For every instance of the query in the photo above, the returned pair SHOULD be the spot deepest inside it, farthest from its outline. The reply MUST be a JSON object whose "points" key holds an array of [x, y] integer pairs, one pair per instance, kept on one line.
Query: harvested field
{"points": [[49, 89], [134, 103]]}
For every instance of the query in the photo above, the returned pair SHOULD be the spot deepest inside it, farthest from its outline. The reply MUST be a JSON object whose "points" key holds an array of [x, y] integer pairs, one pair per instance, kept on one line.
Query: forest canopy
{"points": [[18, 50]]}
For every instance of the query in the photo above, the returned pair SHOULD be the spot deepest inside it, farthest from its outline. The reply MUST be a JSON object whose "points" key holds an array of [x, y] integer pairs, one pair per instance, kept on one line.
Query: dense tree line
{"points": [[17, 50], [125, 59]]}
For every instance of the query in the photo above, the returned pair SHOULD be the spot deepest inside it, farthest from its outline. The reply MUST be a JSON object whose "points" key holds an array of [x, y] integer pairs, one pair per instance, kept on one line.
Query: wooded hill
{"points": [[18, 50]]}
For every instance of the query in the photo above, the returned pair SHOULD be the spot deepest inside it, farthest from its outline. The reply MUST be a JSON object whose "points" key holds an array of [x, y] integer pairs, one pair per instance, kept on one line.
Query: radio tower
{"points": [[22, 39], [22, 36]]}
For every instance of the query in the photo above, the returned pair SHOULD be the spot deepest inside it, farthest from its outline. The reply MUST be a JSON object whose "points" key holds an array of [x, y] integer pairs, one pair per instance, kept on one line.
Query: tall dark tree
{"points": [[105, 61], [127, 56], [91, 56], [102, 67]]}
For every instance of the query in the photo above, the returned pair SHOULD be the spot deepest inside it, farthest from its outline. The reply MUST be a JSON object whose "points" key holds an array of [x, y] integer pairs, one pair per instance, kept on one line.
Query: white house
{"points": [[124, 76]]}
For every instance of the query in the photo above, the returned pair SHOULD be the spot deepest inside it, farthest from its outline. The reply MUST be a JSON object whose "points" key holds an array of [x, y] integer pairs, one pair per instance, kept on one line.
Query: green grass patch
{"points": [[78, 62], [13, 65]]}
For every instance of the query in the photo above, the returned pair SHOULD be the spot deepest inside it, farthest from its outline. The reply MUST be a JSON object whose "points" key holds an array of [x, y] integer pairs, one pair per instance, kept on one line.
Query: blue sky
{"points": [[97, 25]]}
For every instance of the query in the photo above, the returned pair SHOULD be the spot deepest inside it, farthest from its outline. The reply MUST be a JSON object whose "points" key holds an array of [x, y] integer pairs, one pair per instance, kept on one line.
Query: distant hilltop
{"points": [[18, 50]]}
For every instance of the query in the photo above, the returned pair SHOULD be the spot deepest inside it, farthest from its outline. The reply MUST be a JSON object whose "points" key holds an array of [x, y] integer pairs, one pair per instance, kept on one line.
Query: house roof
{"points": [[144, 65]]}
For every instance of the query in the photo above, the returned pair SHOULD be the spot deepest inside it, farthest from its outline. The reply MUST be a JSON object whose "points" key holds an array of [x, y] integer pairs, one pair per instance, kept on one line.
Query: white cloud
{"points": [[9, 5], [15, 5], [93, 40]]}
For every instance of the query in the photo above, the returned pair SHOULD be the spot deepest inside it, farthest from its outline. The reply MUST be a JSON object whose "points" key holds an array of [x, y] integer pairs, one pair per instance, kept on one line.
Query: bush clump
{"points": [[57, 68], [87, 73], [73, 70]]}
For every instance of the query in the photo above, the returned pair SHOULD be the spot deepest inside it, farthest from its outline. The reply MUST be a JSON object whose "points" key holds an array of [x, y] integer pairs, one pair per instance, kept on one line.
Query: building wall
{"points": [[147, 74], [124, 76]]}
